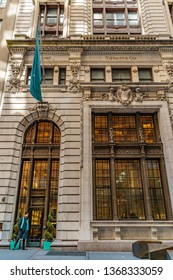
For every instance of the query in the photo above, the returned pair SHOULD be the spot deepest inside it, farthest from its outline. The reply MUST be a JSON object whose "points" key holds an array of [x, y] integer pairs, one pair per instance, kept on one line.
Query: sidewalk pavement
{"points": [[39, 254]]}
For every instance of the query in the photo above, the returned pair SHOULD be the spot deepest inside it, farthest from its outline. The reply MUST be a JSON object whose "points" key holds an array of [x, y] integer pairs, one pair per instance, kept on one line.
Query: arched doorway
{"points": [[38, 190]]}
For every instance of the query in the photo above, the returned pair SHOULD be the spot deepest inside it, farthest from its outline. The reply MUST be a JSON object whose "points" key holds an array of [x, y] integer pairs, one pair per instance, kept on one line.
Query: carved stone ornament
{"points": [[74, 82], [87, 95], [14, 81], [42, 107], [161, 95], [124, 95], [169, 69]]}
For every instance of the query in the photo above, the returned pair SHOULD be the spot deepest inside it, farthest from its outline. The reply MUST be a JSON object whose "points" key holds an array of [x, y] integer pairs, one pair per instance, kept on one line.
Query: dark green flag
{"points": [[35, 87]]}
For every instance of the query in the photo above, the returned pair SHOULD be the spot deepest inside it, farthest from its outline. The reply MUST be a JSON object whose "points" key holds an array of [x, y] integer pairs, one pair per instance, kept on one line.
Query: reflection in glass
{"points": [[155, 190], [129, 189], [103, 190]]}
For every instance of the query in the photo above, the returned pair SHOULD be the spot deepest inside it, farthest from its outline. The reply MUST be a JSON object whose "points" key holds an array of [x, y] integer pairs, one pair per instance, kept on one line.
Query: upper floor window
{"points": [[42, 132], [125, 128], [145, 75], [120, 18], [62, 76], [3, 3], [47, 79], [129, 179], [121, 75], [51, 19], [97, 75]]}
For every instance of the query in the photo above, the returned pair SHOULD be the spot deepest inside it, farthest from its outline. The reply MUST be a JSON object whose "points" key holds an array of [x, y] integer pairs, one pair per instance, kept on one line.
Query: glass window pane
{"points": [[133, 18], [103, 190], [61, 19], [44, 132], [98, 18], [120, 18], [145, 75], [97, 75], [30, 135], [52, 15], [48, 76], [124, 128], [155, 190], [40, 175], [24, 187], [121, 75], [147, 125], [130, 200], [100, 129], [62, 76]]}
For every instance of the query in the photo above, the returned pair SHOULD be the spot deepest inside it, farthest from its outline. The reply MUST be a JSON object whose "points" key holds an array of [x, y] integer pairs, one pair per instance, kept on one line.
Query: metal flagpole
{"points": [[41, 49]]}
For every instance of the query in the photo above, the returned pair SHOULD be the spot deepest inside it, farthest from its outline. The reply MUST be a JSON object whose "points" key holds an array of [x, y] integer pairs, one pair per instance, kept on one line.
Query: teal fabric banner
{"points": [[35, 84]]}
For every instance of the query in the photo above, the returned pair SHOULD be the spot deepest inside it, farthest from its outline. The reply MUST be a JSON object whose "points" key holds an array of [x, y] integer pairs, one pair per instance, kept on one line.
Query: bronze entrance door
{"points": [[38, 190], [36, 226]]}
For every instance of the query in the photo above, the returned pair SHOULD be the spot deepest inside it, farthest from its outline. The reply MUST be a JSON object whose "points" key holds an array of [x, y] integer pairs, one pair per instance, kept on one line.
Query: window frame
{"points": [[146, 80], [54, 28], [62, 80], [118, 80], [28, 76], [95, 80], [116, 25], [29, 191], [112, 151]]}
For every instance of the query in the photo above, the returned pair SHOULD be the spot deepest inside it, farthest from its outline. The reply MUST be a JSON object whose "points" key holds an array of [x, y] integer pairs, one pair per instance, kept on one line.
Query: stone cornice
{"points": [[91, 44]]}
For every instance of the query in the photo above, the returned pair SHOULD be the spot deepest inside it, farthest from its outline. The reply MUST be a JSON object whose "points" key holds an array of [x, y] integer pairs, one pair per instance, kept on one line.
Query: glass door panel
{"points": [[35, 235]]}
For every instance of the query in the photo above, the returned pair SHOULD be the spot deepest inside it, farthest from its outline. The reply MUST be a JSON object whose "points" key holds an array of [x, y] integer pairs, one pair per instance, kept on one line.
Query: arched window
{"points": [[38, 191]]}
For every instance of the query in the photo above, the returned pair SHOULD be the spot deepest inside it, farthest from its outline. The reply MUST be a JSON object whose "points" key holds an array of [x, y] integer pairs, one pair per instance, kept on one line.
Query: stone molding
{"points": [[42, 107], [124, 94]]}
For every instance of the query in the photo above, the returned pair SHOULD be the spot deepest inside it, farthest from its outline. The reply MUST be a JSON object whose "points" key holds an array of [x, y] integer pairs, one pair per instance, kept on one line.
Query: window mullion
{"points": [[114, 196], [147, 205], [58, 19], [112, 169], [94, 189], [31, 172], [45, 19], [165, 189], [104, 17], [47, 192], [126, 17], [156, 128]]}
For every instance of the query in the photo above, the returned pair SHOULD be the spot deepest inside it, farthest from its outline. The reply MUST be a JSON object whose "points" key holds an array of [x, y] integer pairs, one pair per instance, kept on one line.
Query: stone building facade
{"points": [[98, 152]]}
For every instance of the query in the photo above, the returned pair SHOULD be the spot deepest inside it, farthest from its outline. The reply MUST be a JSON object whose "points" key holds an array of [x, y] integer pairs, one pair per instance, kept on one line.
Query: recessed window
{"points": [[97, 75], [51, 19], [62, 76], [47, 79], [125, 180], [145, 75], [133, 18], [115, 17], [3, 3], [98, 18], [121, 75]]}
